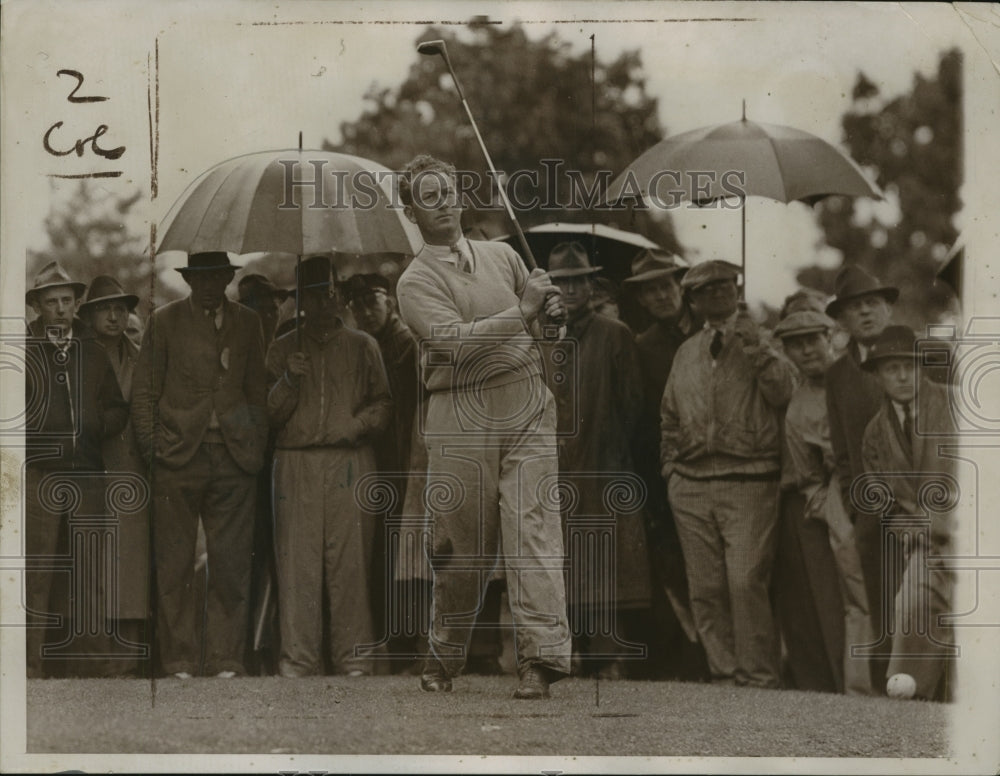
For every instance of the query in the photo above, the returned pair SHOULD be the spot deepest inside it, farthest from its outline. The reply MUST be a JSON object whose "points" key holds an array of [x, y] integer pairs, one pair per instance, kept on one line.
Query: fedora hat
{"points": [[803, 322], [653, 263], [205, 262], [257, 284], [854, 281], [893, 342], [105, 288], [53, 275], [708, 272], [570, 259]]}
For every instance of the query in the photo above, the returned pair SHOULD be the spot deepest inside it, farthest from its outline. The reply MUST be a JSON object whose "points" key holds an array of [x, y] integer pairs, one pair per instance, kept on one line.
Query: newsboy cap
{"points": [[105, 288], [893, 342], [854, 281], [358, 286], [52, 275], [653, 263], [803, 322], [708, 272]]}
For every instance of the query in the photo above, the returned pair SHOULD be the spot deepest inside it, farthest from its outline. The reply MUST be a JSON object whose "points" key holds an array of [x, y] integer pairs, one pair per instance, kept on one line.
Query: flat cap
{"points": [[803, 322], [708, 272]]}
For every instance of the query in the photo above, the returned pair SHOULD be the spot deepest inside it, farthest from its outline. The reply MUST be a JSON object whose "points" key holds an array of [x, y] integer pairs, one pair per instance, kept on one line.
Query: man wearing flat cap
{"points": [[330, 402], [810, 469], [598, 415], [900, 450], [655, 284], [199, 412], [863, 307], [74, 405], [721, 457], [106, 311]]}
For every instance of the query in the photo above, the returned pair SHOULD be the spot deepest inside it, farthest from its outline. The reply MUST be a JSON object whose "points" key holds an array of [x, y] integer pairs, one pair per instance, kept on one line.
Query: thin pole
{"points": [[298, 285], [743, 245], [529, 257]]}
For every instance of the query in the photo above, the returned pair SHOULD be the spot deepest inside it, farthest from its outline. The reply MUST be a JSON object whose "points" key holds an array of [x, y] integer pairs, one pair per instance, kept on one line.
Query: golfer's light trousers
{"points": [[492, 475]]}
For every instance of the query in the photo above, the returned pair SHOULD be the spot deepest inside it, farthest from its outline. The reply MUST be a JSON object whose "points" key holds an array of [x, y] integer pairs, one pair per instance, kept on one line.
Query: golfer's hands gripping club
{"points": [[541, 295]]}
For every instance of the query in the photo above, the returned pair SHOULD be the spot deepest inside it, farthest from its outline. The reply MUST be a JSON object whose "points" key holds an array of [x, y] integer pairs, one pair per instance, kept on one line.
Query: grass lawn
{"points": [[390, 715]]}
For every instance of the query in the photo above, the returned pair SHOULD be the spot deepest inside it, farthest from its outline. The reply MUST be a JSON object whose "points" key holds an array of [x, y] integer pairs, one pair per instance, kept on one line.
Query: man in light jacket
{"points": [[720, 451]]}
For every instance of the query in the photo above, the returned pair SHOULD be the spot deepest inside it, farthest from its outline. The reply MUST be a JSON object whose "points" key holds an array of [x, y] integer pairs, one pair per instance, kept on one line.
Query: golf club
{"points": [[437, 47]]}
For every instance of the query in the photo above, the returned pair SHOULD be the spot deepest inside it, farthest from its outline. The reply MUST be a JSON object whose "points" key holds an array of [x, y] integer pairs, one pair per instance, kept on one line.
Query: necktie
{"points": [[716, 347], [462, 258], [216, 316], [908, 427]]}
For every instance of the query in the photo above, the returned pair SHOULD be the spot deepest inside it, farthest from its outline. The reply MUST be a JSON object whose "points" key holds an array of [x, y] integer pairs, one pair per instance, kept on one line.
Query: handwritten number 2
{"points": [[79, 82]]}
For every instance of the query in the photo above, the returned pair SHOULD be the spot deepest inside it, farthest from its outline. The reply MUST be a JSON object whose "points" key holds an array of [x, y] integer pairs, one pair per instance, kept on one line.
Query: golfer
{"points": [[490, 435]]}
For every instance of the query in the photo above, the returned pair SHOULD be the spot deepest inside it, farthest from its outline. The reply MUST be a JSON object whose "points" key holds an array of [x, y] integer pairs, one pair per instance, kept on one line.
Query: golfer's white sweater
{"points": [[471, 331]]}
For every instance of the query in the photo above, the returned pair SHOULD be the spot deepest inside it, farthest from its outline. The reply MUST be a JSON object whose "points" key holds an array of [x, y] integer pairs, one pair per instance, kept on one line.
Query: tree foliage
{"points": [[89, 235], [912, 144], [532, 100]]}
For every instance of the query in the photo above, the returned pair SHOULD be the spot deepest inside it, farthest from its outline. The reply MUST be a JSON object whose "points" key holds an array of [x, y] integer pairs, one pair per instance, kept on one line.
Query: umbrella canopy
{"points": [[778, 162], [612, 248], [292, 201]]}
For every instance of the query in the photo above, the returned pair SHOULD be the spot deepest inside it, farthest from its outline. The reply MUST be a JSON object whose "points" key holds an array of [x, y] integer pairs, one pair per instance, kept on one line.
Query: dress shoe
{"points": [[226, 674], [181, 675], [434, 679], [534, 684]]}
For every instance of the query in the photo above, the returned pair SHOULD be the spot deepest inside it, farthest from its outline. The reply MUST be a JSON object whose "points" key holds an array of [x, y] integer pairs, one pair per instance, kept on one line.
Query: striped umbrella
{"points": [[291, 201]]}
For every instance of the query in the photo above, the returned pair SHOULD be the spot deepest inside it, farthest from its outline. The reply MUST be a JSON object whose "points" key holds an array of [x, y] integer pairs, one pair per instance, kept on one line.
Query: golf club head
{"points": [[431, 48]]}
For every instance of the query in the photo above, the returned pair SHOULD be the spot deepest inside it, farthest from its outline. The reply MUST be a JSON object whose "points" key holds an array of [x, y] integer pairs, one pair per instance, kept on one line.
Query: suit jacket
{"points": [[853, 396], [187, 370], [73, 403], [884, 452]]}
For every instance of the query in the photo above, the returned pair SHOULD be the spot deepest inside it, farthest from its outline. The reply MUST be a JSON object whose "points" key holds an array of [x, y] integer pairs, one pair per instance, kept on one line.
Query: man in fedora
{"points": [[74, 405], [721, 457], [490, 434], [901, 444], [863, 307], [330, 402], [106, 311], [199, 412], [655, 285], [820, 525], [598, 411]]}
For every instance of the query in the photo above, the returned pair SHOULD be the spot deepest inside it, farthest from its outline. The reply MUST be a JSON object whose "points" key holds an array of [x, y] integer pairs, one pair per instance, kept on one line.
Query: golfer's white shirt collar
{"points": [[445, 252], [862, 351]]}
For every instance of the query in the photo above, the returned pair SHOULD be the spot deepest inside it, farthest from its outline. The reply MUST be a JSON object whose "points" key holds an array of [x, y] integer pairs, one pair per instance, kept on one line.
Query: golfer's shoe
{"points": [[434, 678], [181, 675], [534, 684], [226, 674]]}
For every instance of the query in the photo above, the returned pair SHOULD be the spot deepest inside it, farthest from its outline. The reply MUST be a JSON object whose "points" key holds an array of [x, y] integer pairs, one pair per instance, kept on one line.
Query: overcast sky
{"points": [[247, 79]]}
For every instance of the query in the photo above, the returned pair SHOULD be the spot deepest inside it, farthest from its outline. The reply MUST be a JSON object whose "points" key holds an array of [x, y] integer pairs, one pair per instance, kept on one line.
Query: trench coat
{"points": [[595, 377]]}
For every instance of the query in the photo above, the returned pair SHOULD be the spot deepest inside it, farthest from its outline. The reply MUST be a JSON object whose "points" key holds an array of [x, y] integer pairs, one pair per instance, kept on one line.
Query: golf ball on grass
{"points": [[901, 686]]}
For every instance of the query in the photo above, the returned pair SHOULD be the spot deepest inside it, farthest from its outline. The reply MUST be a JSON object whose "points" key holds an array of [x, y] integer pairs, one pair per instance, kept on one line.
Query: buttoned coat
{"points": [[187, 369]]}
